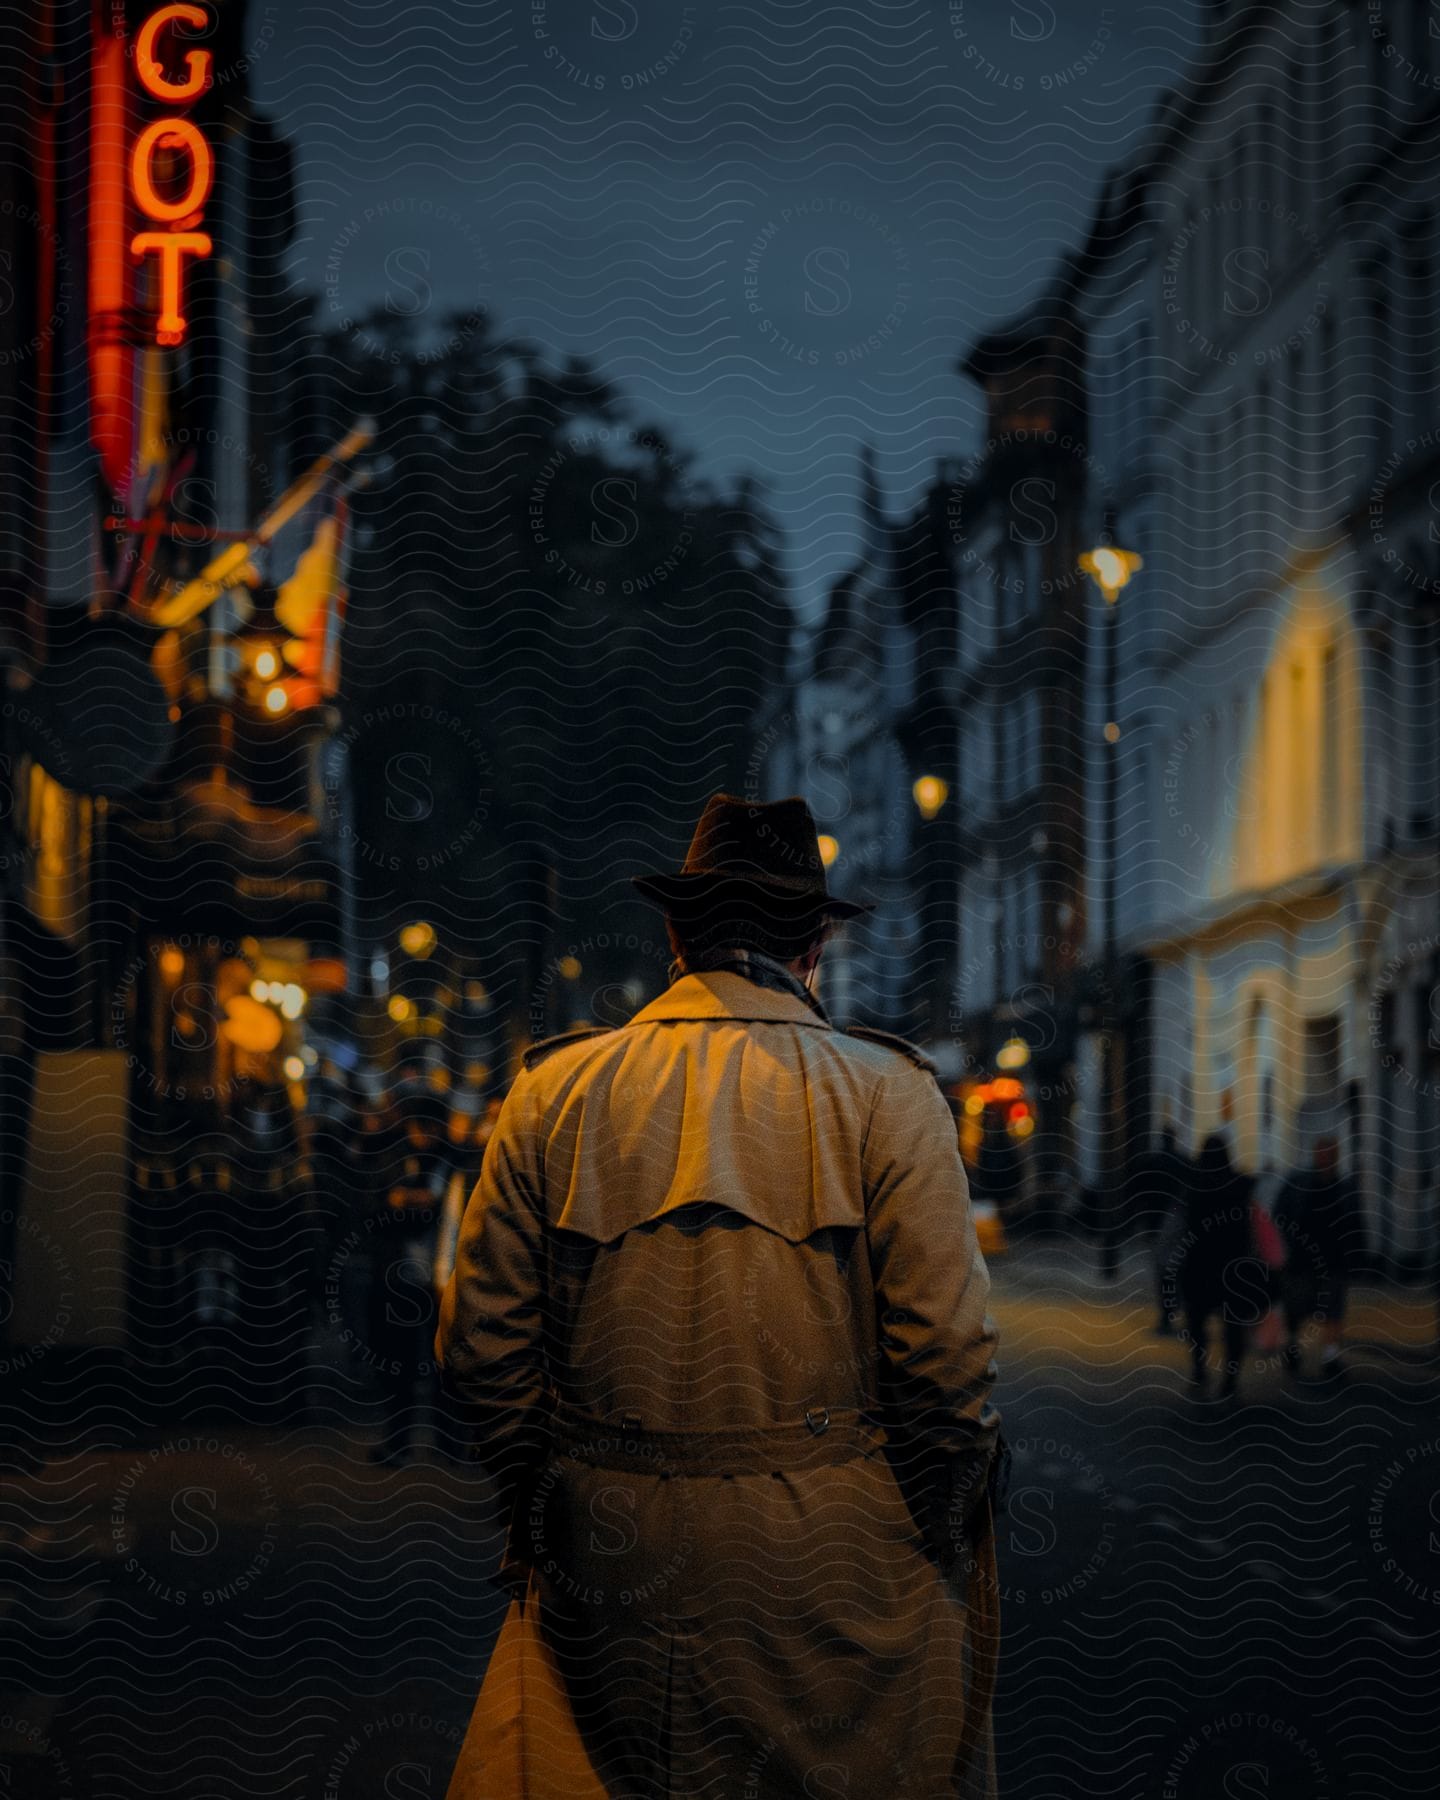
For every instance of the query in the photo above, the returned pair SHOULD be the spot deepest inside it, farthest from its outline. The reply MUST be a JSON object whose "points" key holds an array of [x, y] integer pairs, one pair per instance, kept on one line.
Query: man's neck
{"points": [[755, 965]]}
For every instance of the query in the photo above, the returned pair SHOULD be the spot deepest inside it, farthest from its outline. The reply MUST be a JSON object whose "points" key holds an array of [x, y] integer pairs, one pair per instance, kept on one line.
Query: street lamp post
{"points": [[1110, 568], [933, 866]]}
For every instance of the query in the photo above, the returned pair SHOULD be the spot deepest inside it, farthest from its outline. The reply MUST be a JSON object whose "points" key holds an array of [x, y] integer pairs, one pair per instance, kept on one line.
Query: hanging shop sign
{"points": [[171, 164]]}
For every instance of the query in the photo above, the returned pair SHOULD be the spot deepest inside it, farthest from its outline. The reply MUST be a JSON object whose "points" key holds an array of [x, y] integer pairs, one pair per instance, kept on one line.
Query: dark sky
{"points": [[775, 224]]}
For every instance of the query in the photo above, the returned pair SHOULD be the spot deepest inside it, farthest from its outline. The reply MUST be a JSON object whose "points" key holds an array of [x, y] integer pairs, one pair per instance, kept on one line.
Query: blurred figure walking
{"points": [[333, 1132], [1319, 1217], [1209, 1262], [1154, 1202], [269, 1202], [403, 1302]]}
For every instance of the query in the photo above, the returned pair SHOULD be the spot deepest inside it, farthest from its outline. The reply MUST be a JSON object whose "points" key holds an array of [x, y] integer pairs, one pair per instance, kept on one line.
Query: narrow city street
{"points": [[1213, 1599], [1199, 1598], [569, 574]]}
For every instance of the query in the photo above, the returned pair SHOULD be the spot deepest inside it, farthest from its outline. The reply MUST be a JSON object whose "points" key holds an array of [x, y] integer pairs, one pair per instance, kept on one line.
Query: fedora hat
{"points": [[767, 845]]}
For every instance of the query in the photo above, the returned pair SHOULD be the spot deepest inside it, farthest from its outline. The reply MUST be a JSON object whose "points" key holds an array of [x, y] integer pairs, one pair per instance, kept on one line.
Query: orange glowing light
{"points": [[930, 794], [171, 134], [171, 246], [1014, 1053], [153, 180], [112, 405], [1004, 1087], [151, 70], [1111, 568]]}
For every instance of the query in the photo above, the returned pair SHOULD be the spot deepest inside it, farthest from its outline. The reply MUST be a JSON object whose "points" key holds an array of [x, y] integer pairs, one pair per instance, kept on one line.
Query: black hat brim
{"points": [[669, 891]]}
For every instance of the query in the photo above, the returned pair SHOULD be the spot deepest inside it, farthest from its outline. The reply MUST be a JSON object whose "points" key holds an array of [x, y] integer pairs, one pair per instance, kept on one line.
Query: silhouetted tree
{"points": [[532, 561]]}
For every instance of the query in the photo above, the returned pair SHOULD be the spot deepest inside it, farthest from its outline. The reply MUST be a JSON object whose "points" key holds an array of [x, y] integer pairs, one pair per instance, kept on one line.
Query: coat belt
{"points": [[820, 1439]]}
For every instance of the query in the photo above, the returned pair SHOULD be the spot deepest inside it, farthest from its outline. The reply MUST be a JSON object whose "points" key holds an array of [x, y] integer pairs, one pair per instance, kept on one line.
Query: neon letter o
{"points": [[171, 134]]}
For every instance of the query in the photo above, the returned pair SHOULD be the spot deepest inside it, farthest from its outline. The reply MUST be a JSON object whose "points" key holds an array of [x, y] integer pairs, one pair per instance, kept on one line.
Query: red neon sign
{"points": [[151, 70], [188, 163], [112, 407], [170, 246], [174, 135]]}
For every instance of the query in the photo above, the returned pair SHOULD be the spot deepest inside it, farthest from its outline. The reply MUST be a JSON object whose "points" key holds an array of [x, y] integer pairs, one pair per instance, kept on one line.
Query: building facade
{"points": [[837, 738], [170, 885], [1019, 512], [1278, 775]]}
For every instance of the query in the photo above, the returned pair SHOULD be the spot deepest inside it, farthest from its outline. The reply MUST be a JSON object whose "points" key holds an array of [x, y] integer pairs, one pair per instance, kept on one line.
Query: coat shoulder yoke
{"points": [[889, 1041], [537, 1053]]}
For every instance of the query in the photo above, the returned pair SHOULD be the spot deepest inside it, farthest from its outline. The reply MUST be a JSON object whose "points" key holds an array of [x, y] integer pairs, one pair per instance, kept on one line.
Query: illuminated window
{"points": [[1265, 773], [1331, 726], [1299, 741]]}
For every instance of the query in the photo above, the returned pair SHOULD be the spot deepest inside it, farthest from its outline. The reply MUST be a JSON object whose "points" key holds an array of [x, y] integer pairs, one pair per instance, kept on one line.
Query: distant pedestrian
{"points": [[1270, 1252], [268, 1202], [1319, 1217], [1154, 1202], [1209, 1263], [375, 1157], [466, 1135], [332, 1137], [998, 1174], [403, 1302]]}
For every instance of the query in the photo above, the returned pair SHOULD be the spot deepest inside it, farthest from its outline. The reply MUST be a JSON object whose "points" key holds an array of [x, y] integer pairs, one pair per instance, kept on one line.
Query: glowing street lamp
{"points": [[1014, 1053], [1110, 568], [829, 850], [930, 794]]}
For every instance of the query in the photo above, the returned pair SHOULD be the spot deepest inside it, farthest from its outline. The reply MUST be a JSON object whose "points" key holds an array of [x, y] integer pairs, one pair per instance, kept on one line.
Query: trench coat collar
{"points": [[720, 994]]}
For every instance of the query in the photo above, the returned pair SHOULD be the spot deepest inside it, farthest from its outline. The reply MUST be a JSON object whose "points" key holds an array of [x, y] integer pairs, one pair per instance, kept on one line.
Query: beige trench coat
{"points": [[719, 1311]]}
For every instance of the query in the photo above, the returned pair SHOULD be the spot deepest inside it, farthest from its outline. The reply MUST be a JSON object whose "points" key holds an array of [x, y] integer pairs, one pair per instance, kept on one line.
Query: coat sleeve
{"points": [[490, 1340], [936, 1340]]}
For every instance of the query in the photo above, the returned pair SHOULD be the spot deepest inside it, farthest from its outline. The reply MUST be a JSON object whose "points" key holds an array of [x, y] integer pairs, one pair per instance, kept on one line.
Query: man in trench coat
{"points": [[718, 1317]]}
